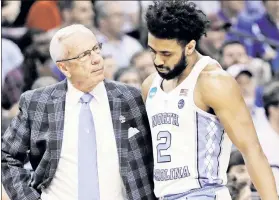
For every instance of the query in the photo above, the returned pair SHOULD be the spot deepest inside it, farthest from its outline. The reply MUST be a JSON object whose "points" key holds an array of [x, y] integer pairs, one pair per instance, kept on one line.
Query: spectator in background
{"points": [[131, 18], [232, 12], [254, 10], [129, 76], [247, 83], [74, 12], [110, 67], [11, 57], [77, 12], [10, 11], [234, 52], [211, 43], [44, 15], [268, 26], [268, 23], [110, 20], [143, 62], [268, 129], [239, 181], [14, 110], [36, 63]]}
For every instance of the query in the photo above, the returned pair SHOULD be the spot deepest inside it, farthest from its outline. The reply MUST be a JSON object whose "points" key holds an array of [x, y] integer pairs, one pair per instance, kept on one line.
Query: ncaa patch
{"points": [[152, 92], [181, 103]]}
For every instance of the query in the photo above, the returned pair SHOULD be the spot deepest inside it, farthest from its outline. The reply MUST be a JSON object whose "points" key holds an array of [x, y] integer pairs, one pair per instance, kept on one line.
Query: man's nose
{"points": [[95, 59]]}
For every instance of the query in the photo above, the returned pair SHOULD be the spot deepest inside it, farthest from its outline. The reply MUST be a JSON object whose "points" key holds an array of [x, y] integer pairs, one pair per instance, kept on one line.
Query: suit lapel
{"points": [[118, 108], [56, 111], [118, 115]]}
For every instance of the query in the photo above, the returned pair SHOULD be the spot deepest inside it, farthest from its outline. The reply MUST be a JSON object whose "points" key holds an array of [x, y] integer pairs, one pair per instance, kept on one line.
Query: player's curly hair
{"points": [[176, 19]]}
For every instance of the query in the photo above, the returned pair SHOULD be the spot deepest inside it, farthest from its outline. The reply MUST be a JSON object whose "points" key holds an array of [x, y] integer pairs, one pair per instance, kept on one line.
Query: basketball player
{"points": [[195, 110]]}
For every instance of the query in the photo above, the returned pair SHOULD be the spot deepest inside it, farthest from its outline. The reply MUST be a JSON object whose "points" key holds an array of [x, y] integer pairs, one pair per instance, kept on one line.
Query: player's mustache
{"points": [[162, 67]]}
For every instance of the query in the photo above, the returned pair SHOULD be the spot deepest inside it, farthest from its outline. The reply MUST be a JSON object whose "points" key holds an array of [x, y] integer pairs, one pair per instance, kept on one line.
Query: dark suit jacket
{"points": [[38, 130]]}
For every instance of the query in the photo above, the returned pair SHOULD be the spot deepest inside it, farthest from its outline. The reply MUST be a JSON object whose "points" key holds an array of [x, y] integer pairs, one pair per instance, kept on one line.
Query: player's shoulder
{"points": [[214, 76], [219, 82]]}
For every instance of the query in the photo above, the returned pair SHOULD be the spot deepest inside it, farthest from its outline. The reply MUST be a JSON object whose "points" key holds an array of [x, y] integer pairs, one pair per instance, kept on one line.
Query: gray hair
{"points": [[57, 48]]}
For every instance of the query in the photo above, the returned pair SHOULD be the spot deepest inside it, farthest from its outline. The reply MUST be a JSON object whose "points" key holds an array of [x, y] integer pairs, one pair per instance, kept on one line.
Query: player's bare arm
{"points": [[219, 91]]}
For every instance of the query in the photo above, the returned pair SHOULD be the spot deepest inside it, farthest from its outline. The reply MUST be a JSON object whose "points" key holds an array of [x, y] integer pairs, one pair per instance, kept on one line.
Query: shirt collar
{"points": [[75, 94]]}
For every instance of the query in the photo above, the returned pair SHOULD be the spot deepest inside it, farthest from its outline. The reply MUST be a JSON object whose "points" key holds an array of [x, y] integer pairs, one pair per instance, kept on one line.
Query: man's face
{"points": [[82, 13], [215, 39], [234, 54], [87, 71], [247, 86], [115, 18], [144, 64], [168, 57], [131, 78]]}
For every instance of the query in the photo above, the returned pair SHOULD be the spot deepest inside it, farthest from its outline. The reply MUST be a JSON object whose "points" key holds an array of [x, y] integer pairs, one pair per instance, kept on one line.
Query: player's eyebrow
{"points": [[159, 51]]}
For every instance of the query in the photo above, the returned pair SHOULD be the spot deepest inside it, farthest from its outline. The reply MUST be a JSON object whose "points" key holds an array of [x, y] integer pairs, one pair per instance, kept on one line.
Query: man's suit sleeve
{"points": [[140, 121], [15, 144]]}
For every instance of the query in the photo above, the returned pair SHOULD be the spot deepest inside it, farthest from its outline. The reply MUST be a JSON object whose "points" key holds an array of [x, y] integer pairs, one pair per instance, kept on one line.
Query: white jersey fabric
{"points": [[191, 149]]}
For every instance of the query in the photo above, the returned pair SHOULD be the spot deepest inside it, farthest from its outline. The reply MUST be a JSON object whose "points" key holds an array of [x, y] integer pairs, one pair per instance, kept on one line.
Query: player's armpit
{"points": [[222, 93], [146, 86]]}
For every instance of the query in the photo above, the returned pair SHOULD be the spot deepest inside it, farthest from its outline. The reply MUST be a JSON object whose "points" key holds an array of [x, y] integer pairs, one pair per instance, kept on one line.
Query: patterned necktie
{"points": [[88, 182]]}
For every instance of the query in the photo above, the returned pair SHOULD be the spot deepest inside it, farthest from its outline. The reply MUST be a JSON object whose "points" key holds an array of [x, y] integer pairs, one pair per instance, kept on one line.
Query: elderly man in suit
{"points": [[87, 138]]}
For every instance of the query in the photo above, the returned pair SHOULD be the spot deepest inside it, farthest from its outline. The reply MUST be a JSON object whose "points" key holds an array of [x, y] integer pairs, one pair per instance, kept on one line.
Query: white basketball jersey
{"points": [[191, 149]]}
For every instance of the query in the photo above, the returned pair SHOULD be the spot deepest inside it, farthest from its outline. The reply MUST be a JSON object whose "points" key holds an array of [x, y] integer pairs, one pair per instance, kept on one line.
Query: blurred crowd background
{"points": [[243, 37]]}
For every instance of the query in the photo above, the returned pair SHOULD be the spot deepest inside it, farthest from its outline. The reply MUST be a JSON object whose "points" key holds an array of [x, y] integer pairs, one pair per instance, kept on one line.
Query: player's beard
{"points": [[176, 71]]}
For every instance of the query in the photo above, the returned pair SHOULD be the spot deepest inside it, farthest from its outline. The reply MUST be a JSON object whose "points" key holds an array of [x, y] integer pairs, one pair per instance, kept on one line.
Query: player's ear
{"points": [[190, 47]]}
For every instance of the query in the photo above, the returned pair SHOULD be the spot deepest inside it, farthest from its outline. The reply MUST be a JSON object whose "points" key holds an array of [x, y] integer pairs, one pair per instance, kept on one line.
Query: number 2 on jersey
{"points": [[163, 146]]}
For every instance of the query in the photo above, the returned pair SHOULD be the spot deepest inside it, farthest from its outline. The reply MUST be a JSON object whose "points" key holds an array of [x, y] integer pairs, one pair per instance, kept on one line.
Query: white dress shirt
{"points": [[65, 182]]}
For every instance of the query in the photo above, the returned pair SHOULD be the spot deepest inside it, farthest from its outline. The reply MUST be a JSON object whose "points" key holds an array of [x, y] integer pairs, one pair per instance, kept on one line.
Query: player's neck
{"points": [[191, 61], [274, 124]]}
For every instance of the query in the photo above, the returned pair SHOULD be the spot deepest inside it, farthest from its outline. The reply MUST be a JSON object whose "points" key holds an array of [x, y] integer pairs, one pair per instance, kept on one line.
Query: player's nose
{"points": [[158, 61]]}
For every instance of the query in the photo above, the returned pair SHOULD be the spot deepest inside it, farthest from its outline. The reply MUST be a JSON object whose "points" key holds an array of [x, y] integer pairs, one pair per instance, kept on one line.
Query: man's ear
{"points": [[190, 47], [64, 69]]}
